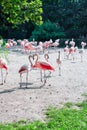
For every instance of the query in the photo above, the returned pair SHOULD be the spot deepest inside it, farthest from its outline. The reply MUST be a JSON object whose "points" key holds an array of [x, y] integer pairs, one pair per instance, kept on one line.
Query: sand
{"points": [[31, 103]]}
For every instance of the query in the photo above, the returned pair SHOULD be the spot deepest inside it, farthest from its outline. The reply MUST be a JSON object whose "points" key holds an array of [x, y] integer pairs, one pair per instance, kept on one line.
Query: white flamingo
{"points": [[83, 44], [66, 51], [72, 43], [23, 69]]}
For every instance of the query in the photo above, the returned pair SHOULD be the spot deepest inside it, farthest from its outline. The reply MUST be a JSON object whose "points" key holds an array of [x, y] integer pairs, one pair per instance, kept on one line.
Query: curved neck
{"points": [[35, 57], [59, 55], [46, 56], [30, 57]]}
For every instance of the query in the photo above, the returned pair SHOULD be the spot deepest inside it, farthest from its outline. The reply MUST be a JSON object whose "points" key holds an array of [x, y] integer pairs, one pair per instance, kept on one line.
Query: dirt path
{"points": [[31, 103]]}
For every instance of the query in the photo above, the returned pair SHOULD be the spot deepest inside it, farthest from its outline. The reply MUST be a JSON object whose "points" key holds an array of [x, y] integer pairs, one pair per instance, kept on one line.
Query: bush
{"points": [[47, 31]]}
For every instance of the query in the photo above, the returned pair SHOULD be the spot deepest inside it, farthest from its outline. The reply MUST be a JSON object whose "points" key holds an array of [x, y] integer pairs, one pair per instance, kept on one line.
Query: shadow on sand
{"points": [[23, 87]]}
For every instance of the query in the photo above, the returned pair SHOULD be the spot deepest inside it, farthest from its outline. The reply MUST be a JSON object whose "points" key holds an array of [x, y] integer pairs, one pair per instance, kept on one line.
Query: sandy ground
{"points": [[31, 103]]}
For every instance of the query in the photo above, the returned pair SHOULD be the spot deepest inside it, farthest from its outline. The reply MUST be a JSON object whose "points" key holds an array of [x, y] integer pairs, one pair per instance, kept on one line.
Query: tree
{"points": [[20, 11], [82, 17]]}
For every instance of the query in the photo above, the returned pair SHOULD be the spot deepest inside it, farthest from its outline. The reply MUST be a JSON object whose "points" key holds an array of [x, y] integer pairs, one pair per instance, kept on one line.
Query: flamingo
{"points": [[83, 44], [46, 45], [58, 60], [29, 47], [56, 43], [23, 69], [72, 43], [31, 59], [11, 43], [66, 42], [42, 65], [66, 51], [71, 52], [3, 65]]}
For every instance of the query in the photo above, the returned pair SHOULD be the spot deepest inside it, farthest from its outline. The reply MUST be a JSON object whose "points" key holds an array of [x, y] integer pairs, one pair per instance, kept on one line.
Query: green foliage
{"points": [[4, 53], [82, 104], [3, 50], [20, 11], [36, 11], [68, 104], [71, 15], [65, 119], [84, 94], [47, 31]]}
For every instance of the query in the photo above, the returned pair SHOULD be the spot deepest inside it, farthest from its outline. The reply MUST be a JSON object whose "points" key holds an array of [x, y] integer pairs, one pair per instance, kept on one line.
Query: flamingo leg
{"points": [[44, 78], [68, 56], [2, 77], [26, 79], [81, 57], [41, 74], [59, 70], [5, 77], [49, 73], [20, 80], [73, 57]]}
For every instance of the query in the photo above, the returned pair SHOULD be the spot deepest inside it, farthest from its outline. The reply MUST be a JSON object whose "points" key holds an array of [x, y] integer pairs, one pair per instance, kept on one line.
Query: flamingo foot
{"points": [[20, 85], [26, 85]]}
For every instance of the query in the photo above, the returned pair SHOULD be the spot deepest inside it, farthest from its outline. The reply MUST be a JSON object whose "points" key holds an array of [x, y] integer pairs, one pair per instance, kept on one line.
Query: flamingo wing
{"points": [[3, 64], [46, 66], [23, 68]]}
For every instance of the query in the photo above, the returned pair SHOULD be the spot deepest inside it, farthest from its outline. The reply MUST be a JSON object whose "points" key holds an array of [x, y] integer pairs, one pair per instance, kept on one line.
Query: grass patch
{"points": [[82, 104], [84, 94], [68, 104], [57, 119]]}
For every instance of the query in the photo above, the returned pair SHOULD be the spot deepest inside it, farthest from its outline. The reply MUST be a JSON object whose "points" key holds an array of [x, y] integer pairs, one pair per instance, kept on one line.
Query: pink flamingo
{"points": [[29, 47], [31, 59], [56, 43], [23, 69], [3, 65], [8, 45], [11, 43], [46, 45], [71, 52], [42, 65], [58, 60]]}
